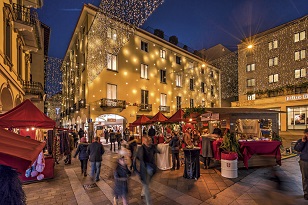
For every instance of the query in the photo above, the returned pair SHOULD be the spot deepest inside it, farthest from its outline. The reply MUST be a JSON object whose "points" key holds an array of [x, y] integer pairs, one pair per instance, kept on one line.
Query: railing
{"points": [[34, 88], [145, 107], [25, 14], [112, 103], [164, 109]]}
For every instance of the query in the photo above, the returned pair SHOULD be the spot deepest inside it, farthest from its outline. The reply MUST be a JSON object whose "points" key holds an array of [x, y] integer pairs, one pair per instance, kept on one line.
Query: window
{"points": [[272, 45], [111, 91], [211, 74], [191, 103], [144, 46], [19, 59], [112, 62], [162, 53], [203, 103], [178, 102], [212, 91], [8, 39], [178, 80], [202, 71], [212, 104], [178, 60], [163, 99], [300, 73], [273, 78], [144, 71], [273, 61], [299, 55], [251, 97], [299, 36], [163, 76], [144, 97], [191, 84], [202, 87], [190, 65], [251, 82], [112, 34], [250, 67]]}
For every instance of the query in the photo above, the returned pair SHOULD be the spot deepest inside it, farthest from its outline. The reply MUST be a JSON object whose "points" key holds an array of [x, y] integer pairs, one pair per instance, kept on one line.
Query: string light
{"points": [[53, 75]]}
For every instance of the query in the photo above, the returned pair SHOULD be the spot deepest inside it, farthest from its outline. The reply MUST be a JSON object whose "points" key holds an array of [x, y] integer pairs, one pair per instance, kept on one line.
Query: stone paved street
{"points": [[253, 186]]}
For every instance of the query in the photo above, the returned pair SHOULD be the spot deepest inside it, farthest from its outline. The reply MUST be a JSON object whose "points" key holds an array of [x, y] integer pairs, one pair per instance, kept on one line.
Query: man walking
{"points": [[302, 147], [95, 152], [152, 133]]}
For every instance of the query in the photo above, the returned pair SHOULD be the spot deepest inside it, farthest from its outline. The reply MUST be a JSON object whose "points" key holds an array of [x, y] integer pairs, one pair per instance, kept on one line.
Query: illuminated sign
{"points": [[297, 97]]}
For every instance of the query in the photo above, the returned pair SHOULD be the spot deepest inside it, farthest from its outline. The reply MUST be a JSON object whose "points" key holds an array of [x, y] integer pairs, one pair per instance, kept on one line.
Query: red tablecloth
{"points": [[269, 148]]}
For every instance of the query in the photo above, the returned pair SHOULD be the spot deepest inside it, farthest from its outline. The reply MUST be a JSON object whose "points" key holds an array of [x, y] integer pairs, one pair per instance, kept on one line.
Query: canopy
{"points": [[159, 117], [177, 117], [141, 120], [17, 151], [26, 115]]}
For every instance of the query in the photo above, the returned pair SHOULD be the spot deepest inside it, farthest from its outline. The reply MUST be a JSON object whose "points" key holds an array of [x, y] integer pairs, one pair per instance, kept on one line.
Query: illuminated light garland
{"points": [[53, 75], [112, 27]]}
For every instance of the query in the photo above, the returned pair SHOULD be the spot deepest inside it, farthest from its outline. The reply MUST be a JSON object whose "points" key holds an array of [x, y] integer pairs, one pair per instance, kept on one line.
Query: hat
{"points": [[83, 140]]}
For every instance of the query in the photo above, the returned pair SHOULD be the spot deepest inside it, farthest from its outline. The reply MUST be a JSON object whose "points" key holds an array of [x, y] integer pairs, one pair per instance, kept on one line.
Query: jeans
{"points": [[95, 168], [113, 146], [84, 164], [304, 170], [146, 193]]}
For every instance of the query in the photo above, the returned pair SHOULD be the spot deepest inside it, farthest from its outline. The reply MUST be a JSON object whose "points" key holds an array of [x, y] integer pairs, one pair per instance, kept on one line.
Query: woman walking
{"points": [[83, 155]]}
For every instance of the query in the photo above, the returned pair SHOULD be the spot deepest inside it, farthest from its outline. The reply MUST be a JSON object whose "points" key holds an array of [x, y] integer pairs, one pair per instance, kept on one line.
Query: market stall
{"points": [[142, 120], [26, 117], [157, 120]]}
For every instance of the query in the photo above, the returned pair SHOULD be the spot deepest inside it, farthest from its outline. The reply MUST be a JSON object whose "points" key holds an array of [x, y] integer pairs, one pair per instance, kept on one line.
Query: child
{"points": [[121, 174]]}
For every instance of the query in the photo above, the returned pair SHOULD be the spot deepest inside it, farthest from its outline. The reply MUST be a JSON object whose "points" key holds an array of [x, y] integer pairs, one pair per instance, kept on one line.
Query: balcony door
{"points": [[111, 91]]}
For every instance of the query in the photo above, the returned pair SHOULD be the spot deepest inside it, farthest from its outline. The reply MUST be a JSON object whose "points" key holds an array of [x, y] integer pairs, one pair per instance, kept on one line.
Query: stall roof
{"points": [[159, 117], [235, 110]]}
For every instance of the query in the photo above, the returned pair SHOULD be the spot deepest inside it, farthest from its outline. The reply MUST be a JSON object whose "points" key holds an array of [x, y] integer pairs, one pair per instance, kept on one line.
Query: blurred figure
{"points": [[71, 146], [113, 139], [175, 150], [83, 155], [207, 152], [187, 138], [132, 146], [106, 132], [80, 133], [95, 151], [121, 175], [152, 133], [11, 192], [302, 147], [119, 139], [126, 134], [147, 167]]}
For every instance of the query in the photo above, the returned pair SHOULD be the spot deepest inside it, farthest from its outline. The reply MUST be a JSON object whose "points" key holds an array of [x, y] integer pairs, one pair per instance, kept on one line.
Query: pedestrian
{"points": [[147, 167], [132, 146], [175, 150], [187, 138], [80, 133], [152, 133], [75, 136], [71, 146], [126, 134], [11, 192], [119, 139], [121, 175], [106, 135], [302, 147], [83, 155], [207, 152], [112, 139], [95, 151]]}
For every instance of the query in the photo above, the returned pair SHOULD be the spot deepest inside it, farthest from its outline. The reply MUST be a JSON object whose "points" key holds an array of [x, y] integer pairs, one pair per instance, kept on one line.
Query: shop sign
{"points": [[209, 116], [111, 120], [297, 97]]}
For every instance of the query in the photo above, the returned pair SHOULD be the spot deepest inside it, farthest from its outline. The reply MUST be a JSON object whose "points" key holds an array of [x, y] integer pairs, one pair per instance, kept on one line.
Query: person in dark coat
{"points": [[302, 147], [83, 155], [152, 133], [121, 175], [119, 139], [147, 167], [95, 151], [80, 133], [175, 150], [113, 139], [132, 146], [106, 132]]}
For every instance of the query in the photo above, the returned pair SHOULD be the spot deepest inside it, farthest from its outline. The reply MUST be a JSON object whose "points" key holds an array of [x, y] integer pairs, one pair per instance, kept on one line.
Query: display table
{"points": [[163, 160], [192, 163], [267, 148]]}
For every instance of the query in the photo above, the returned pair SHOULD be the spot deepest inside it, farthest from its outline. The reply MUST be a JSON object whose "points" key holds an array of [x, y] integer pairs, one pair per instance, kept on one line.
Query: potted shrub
{"points": [[174, 40], [159, 33]]}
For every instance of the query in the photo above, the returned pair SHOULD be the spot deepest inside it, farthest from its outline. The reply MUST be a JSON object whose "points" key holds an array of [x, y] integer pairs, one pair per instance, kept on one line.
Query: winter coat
{"points": [[112, 137], [121, 174], [302, 147], [132, 146], [82, 151], [175, 144], [118, 137], [81, 133], [95, 151], [151, 132]]}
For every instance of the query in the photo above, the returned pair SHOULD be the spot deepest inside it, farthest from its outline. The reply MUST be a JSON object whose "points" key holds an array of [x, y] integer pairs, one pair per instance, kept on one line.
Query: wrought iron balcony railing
{"points": [[113, 103], [164, 109], [33, 88], [145, 107]]}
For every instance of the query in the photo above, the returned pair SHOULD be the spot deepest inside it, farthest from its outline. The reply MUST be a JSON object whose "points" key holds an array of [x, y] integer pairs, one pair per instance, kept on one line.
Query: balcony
{"points": [[145, 107], [112, 103], [164, 109], [28, 25], [33, 90]]}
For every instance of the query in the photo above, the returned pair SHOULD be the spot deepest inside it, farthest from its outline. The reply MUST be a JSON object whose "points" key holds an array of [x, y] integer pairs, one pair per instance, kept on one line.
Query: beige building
{"points": [[21, 37], [272, 72], [147, 75]]}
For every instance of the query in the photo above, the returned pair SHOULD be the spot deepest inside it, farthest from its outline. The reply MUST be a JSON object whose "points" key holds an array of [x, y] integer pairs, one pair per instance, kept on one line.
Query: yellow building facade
{"points": [[147, 75], [20, 37], [272, 73]]}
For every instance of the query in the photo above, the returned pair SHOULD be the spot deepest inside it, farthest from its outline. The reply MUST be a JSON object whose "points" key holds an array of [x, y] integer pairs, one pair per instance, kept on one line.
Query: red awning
{"points": [[26, 115], [159, 117], [177, 117], [17, 151], [141, 120]]}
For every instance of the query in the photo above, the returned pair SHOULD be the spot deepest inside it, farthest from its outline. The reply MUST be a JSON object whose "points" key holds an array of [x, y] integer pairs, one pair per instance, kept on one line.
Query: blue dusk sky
{"points": [[197, 23]]}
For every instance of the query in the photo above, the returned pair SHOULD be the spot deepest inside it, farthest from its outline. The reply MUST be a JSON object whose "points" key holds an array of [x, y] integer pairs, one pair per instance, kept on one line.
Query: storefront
{"points": [[109, 121]]}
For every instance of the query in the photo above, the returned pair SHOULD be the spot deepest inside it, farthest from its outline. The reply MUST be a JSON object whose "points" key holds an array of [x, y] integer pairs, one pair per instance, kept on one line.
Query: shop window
{"points": [[297, 117]]}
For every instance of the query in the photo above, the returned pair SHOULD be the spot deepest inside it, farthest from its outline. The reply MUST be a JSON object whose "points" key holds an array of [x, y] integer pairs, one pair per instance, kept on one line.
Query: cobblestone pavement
{"points": [[253, 186]]}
